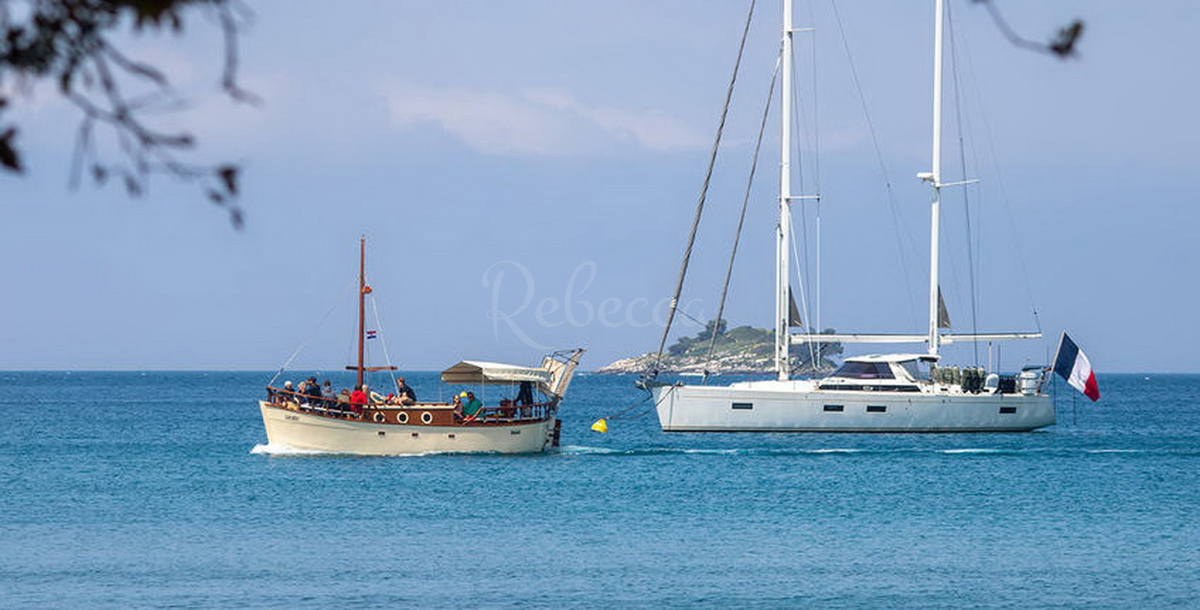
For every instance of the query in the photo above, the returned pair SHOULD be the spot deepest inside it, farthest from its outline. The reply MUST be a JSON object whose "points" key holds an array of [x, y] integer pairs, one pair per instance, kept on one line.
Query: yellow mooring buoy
{"points": [[600, 426]]}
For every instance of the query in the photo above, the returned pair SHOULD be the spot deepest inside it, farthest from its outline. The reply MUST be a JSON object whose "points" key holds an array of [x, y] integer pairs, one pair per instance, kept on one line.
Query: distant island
{"points": [[741, 350]]}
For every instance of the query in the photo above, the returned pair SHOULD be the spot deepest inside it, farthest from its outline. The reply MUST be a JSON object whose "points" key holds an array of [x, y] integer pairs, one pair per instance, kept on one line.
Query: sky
{"points": [[525, 174]]}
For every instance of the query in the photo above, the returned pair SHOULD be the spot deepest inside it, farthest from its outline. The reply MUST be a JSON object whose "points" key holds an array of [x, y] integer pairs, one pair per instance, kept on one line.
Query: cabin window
{"points": [[864, 370], [1007, 410], [743, 405], [835, 408], [916, 370], [876, 408]]}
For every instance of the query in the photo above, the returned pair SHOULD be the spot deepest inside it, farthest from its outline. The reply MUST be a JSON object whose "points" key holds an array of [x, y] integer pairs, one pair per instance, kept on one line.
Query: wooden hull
{"points": [[312, 432], [798, 407]]}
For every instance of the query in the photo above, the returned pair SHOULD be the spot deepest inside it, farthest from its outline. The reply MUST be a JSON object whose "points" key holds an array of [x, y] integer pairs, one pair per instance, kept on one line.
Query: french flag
{"points": [[1073, 366]]}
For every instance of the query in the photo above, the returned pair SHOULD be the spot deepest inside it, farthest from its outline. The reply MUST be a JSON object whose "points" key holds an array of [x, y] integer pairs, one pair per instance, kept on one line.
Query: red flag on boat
{"points": [[1073, 366]]}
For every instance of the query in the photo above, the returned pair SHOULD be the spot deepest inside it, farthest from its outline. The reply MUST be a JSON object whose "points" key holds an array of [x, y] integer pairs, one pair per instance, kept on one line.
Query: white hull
{"points": [[798, 406], [307, 431]]}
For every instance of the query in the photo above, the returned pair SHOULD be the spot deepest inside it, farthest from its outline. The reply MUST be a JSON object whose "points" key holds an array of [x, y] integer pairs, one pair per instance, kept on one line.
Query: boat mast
{"points": [[935, 180], [362, 296], [782, 244]]}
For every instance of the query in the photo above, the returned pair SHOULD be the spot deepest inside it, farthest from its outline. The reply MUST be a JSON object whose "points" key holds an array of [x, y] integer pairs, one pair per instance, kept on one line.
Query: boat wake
{"points": [[651, 451], [581, 450], [281, 449]]}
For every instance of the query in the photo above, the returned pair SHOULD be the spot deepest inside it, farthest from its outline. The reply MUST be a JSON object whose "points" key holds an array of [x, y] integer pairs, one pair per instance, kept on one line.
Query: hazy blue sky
{"points": [[549, 153]]}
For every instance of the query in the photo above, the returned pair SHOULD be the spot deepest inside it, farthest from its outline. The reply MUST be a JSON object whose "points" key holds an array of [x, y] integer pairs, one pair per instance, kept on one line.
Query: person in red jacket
{"points": [[358, 398]]}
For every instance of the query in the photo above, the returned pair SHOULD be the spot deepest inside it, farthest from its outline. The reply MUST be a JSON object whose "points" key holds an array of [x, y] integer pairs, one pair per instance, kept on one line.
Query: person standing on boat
{"points": [[405, 394]]}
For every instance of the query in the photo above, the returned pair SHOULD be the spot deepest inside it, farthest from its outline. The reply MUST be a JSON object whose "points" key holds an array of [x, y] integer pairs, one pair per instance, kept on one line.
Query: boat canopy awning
{"points": [[474, 371]]}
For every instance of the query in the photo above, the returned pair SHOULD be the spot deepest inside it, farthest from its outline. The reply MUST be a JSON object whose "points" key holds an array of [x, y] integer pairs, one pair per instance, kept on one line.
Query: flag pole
{"points": [[1057, 350]]}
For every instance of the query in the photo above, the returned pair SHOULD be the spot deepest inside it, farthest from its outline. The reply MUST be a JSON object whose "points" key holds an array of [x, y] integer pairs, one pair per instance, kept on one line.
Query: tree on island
{"points": [[756, 343]]}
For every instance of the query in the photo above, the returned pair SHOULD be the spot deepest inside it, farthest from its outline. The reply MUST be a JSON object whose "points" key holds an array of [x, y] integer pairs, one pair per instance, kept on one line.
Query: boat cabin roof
{"points": [[893, 358], [476, 372]]}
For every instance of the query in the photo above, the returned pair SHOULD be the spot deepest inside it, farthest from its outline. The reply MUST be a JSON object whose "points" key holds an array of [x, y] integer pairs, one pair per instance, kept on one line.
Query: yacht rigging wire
{"points": [[687, 253], [972, 288], [998, 179], [387, 357], [900, 228], [336, 304], [737, 235]]}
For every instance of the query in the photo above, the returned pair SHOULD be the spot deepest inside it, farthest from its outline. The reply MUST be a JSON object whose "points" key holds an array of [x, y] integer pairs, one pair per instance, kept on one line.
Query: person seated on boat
{"points": [[358, 398], [314, 391], [343, 399], [288, 390], [405, 395], [471, 406], [328, 395]]}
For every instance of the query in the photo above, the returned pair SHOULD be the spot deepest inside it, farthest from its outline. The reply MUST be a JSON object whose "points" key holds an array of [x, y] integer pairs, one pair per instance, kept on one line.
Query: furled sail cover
{"points": [[943, 314], [794, 320], [474, 372]]}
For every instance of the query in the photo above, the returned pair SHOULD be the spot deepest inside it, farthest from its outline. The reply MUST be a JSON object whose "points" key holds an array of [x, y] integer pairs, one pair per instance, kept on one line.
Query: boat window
{"points": [[864, 370], [915, 369]]}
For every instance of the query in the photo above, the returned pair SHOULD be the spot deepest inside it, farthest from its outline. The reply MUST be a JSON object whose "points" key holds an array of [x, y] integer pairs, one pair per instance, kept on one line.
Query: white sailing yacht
{"points": [[902, 392]]}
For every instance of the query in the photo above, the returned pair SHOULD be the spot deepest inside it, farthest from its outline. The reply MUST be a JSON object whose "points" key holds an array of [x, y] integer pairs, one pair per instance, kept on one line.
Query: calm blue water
{"points": [[144, 490]]}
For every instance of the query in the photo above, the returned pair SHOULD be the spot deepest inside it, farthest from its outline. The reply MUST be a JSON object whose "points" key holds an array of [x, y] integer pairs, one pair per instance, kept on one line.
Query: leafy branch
{"points": [[69, 42]]}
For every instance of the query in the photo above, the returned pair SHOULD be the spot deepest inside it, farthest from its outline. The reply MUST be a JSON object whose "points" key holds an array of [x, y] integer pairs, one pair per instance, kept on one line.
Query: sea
{"points": [[157, 490]]}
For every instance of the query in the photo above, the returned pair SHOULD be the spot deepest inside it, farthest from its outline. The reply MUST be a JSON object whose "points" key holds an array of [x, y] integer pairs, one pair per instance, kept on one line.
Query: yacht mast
{"points": [[782, 244], [935, 180]]}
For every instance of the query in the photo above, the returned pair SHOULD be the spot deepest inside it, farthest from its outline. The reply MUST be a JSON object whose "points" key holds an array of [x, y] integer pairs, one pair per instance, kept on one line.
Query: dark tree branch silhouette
{"points": [[70, 43], [1062, 45]]}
